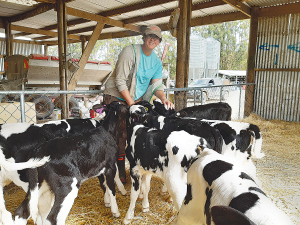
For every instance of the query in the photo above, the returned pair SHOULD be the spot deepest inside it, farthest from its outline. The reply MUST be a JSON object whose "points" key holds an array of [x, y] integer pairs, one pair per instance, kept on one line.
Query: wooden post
{"points": [[45, 49], [183, 45], [249, 95], [62, 55], [85, 56], [8, 39], [83, 42]]}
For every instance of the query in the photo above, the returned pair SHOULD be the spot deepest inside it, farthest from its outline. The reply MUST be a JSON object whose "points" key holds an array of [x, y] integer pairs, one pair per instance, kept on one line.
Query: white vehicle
{"points": [[212, 88]]}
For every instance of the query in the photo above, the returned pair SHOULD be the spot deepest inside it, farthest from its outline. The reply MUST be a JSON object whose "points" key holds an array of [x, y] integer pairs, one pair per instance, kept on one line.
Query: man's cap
{"points": [[153, 30]]}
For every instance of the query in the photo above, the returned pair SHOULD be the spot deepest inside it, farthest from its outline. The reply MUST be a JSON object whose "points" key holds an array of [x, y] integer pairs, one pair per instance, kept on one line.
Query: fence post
{"points": [[221, 90], [22, 107], [240, 101]]}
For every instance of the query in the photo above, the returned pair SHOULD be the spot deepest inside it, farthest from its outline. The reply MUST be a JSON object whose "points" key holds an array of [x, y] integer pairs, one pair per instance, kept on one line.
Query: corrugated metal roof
{"points": [[140, 12]]}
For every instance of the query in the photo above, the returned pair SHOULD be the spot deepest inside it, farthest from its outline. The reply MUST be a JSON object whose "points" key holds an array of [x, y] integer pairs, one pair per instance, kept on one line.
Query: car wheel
{"points": [[225, 95], [204, 97]]}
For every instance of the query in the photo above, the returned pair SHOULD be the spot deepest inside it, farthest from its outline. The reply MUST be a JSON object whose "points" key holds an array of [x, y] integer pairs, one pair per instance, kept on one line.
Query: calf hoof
{"points": [[116, 215], [146, 209], [126, 221], [169, 199], [107, 205]]}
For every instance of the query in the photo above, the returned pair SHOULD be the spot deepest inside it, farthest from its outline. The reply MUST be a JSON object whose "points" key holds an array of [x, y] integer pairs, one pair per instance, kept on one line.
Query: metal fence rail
{"points": [[42, 106]]}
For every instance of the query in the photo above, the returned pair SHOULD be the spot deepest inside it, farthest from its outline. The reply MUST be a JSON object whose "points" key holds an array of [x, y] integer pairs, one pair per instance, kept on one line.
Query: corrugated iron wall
{"points": [[277, 93], [20, 49]]}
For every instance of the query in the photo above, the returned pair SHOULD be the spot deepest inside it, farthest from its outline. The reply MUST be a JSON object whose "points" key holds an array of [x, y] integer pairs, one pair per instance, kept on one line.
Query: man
{"points": [[137, 76]]}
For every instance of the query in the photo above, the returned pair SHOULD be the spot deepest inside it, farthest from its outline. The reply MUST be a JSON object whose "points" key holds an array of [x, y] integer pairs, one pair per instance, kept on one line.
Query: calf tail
{"points": [[257, 142], [31, 163]]}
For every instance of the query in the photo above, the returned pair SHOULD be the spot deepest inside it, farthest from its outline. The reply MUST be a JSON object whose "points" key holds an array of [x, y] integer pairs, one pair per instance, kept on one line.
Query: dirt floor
{"points": [[279, 172]]}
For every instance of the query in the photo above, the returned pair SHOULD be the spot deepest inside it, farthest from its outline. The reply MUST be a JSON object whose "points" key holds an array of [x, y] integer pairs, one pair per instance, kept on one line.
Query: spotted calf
{"points": [[164, 153], [220, 192]]}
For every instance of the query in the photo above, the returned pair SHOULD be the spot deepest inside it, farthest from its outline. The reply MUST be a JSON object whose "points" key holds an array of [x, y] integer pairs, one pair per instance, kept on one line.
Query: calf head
{"points": [[137, 114], [161, 109]]}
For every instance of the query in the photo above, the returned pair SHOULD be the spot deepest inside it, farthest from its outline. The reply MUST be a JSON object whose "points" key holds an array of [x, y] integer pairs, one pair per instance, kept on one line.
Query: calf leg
{"points": [[64, 199], [29, 207], [135, 190], [145, 187], [110, 187]]}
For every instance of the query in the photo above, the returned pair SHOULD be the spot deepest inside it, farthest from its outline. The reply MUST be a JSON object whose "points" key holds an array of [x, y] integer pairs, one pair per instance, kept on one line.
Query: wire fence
{"points": [[42, 106]]}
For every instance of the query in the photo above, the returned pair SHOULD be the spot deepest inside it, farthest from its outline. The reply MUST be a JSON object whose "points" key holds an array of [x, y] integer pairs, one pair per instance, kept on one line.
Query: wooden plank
{"points": [[8, 38], [39, 31], [182, 62], [23, 41], [249, 94], [204, 5], [2, 23], [85, 56], [239, 6], [40, 9], [280, 69], [109, 13], [102, 19], [221, 18], [279, 10]]}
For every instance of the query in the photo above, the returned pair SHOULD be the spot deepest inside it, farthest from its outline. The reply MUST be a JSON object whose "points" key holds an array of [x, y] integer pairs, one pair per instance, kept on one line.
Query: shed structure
{"points": [[273, 61]]}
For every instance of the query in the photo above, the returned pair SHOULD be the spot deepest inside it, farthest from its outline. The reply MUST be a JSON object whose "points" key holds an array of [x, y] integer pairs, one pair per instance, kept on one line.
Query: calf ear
{"points": [[182, 114], [225, 215], [99, 108]]}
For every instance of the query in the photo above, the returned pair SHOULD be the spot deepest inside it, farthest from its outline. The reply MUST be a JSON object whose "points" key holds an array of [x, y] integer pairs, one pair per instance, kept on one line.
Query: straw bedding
{"points": [[279, 172]]}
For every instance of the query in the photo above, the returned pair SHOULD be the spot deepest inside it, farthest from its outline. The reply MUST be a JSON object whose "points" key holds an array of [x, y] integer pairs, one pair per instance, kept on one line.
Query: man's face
{"points": [[151, 41]]}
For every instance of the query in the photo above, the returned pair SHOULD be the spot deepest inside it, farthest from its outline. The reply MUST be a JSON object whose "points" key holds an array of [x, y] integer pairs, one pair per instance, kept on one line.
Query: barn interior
{"points": [[273, 67]]}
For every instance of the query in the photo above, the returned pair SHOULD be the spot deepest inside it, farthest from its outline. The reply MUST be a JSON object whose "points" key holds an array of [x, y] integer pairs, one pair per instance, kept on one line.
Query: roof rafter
{"points": [[39, 31], [95, 17], [109, 13], [40, 9], [239, 6], [147, 17]]}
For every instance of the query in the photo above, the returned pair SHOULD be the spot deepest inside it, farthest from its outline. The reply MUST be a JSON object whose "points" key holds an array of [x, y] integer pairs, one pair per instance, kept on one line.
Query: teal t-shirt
{"points": [[150, 67]]}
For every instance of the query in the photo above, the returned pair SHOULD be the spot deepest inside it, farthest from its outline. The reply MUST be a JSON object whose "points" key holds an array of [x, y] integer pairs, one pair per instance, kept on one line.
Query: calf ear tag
{"points": [[146, 109]]}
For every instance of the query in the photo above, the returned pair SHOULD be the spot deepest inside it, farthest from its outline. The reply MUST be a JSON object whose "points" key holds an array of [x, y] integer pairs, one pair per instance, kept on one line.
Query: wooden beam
{"points": [[39, 31], [40, 9], [85, 56], [23, 41], [280, 69], [2, 23], [109, 13], [209, 4], [101, 19], [8, 38], [183, 46], [249, 94], [239, 6], [280, 10], [221, 18]]}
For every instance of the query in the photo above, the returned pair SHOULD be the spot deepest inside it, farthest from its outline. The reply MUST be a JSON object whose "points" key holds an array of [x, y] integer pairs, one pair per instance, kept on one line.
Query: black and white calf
{"points": [[73, 160], [164, 153], [242, 140], [19, 139], [211, 111], [218, 190]]}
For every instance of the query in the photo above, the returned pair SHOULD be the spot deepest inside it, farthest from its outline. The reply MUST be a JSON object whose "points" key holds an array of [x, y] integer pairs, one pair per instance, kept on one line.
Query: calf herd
{"points": [[204, 159]]}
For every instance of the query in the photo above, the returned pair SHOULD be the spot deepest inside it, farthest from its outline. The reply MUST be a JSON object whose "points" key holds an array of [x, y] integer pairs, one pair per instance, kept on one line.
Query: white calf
{"points": [[215, 181]]}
